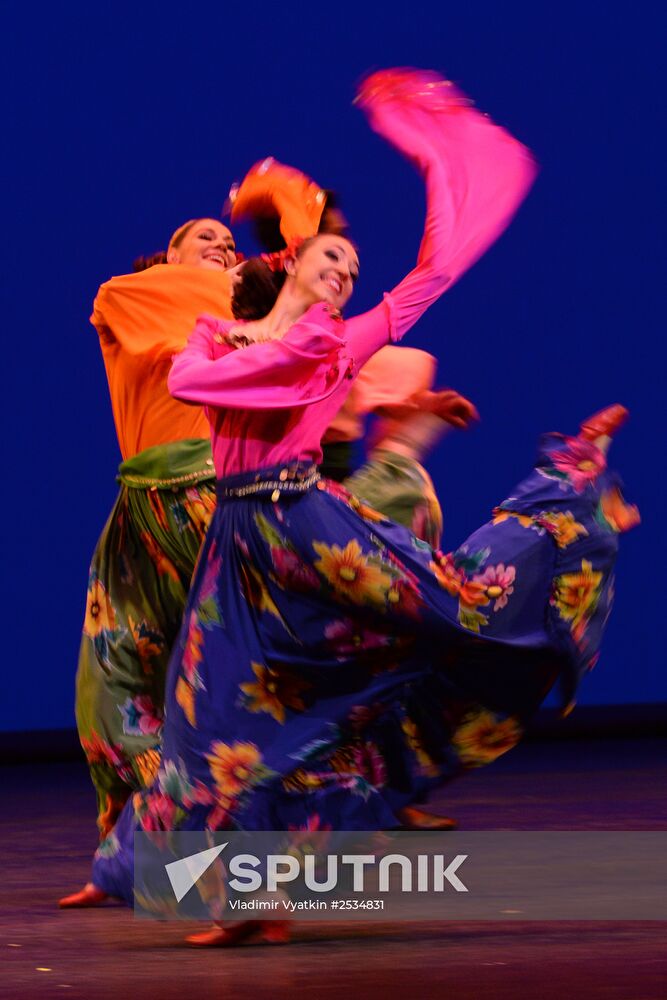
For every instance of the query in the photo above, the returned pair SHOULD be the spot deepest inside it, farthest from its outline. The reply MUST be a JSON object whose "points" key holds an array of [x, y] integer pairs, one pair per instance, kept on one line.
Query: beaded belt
{"points": [[274, 481]]}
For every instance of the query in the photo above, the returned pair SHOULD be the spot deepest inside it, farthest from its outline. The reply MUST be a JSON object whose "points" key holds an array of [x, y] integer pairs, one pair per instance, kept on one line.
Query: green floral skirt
{"points": [[402, 490], [139, 580]]}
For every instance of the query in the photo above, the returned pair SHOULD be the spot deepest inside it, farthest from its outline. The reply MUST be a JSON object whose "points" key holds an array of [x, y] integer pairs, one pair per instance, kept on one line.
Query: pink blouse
{"points": [[271, 403]]}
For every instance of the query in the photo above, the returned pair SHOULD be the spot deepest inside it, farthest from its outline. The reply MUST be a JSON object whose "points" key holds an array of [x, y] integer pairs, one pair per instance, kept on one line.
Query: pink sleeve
{"points": [[305, 366], [476, 176]]}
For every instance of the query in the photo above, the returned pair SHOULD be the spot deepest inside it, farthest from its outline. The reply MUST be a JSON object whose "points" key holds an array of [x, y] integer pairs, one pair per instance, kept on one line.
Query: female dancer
{"points": [[331, 668], [143, 562], [395, 386], [285, 207]]}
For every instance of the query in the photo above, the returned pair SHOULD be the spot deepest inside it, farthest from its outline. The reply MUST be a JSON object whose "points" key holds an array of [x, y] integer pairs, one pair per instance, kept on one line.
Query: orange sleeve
{"points": [[391, 376], [271, 188], [154, 311]]}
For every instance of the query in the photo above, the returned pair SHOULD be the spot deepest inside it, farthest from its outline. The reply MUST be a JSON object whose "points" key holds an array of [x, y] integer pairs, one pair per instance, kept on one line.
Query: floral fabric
{"points": [[332, 668], [137, 587], [403, 490]]}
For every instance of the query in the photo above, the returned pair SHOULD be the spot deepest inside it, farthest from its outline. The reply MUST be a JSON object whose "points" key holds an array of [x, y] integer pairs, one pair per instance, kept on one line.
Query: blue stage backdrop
{"points": [[126, 119]]}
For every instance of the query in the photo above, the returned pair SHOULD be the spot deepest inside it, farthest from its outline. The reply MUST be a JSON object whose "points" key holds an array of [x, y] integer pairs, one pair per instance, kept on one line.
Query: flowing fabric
{"points": [[332, 668], [139, 579], [402, 490], [272, 402], [271, 188]]}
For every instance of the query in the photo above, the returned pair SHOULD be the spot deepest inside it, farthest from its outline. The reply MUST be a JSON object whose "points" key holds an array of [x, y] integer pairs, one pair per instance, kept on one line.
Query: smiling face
{"points": [[325, 271], [204, 243]]}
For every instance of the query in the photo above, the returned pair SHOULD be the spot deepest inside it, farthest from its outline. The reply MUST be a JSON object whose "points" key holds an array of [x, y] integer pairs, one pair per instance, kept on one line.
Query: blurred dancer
{"points": [[142, 565]]}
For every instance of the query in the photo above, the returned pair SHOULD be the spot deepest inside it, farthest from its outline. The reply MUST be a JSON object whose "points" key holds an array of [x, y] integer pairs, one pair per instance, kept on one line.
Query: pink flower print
{"points": [[313, 824], [335, 489], [160, 813], [370, 764], [198, 794], [241, 545], [362, 715], [581, 461], [147, 719], [192, 655], [292, 572], [497, 582], [348, 637], [218, 818], [209, 583]]}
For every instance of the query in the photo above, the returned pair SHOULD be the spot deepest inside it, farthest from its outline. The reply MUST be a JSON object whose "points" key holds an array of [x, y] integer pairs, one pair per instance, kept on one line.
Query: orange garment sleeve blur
{"points": [[142, 320], [390, 376], [273, 188]]}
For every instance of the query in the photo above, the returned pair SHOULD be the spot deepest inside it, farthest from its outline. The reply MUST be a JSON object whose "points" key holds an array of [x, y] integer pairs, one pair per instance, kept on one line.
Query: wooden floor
{"points": [[47, 836]]}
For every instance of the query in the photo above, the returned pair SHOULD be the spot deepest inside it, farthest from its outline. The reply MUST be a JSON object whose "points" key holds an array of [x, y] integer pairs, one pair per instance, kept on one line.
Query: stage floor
{"points": [[47, 837]]}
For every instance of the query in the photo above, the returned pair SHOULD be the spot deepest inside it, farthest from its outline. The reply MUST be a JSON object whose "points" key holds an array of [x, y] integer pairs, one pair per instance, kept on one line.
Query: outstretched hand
{"points": [[454, 408]]}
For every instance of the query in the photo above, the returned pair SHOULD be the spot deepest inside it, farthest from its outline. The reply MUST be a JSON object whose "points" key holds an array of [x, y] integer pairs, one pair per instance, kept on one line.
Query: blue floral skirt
{"points": [[332, 668]]}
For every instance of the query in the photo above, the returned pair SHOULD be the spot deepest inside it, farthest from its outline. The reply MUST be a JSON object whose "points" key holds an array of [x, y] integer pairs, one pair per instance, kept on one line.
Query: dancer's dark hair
{"points": [[257, 289], [259, 285]]}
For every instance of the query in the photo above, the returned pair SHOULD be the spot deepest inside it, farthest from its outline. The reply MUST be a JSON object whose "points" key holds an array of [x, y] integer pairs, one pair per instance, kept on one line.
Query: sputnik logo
{"points": [[185, 873]]}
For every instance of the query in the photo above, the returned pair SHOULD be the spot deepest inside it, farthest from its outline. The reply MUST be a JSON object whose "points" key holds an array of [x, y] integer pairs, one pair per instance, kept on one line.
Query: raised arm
{"points": [[476, 176]]}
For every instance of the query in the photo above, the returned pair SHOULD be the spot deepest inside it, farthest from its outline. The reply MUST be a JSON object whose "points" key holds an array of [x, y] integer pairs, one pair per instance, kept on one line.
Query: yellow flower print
{"points": [[619, 515], [256, 592], [471, 619], [474, 594], [274, 690], [448, 576], [100, 615], [157, 508], [363, 510], [108, 817], [234, 767], [427, 765], [200, 506], [500, 515], [562, 527], [351, 573], [302, 781], [148, 765], [185, 696], [148, 642], [483, 736], [163, 563], [192, 654], [576, 596]]}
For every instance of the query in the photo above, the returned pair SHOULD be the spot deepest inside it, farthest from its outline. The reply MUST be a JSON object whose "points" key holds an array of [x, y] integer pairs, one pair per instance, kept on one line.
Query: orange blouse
{"points": [[143, 319]]}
